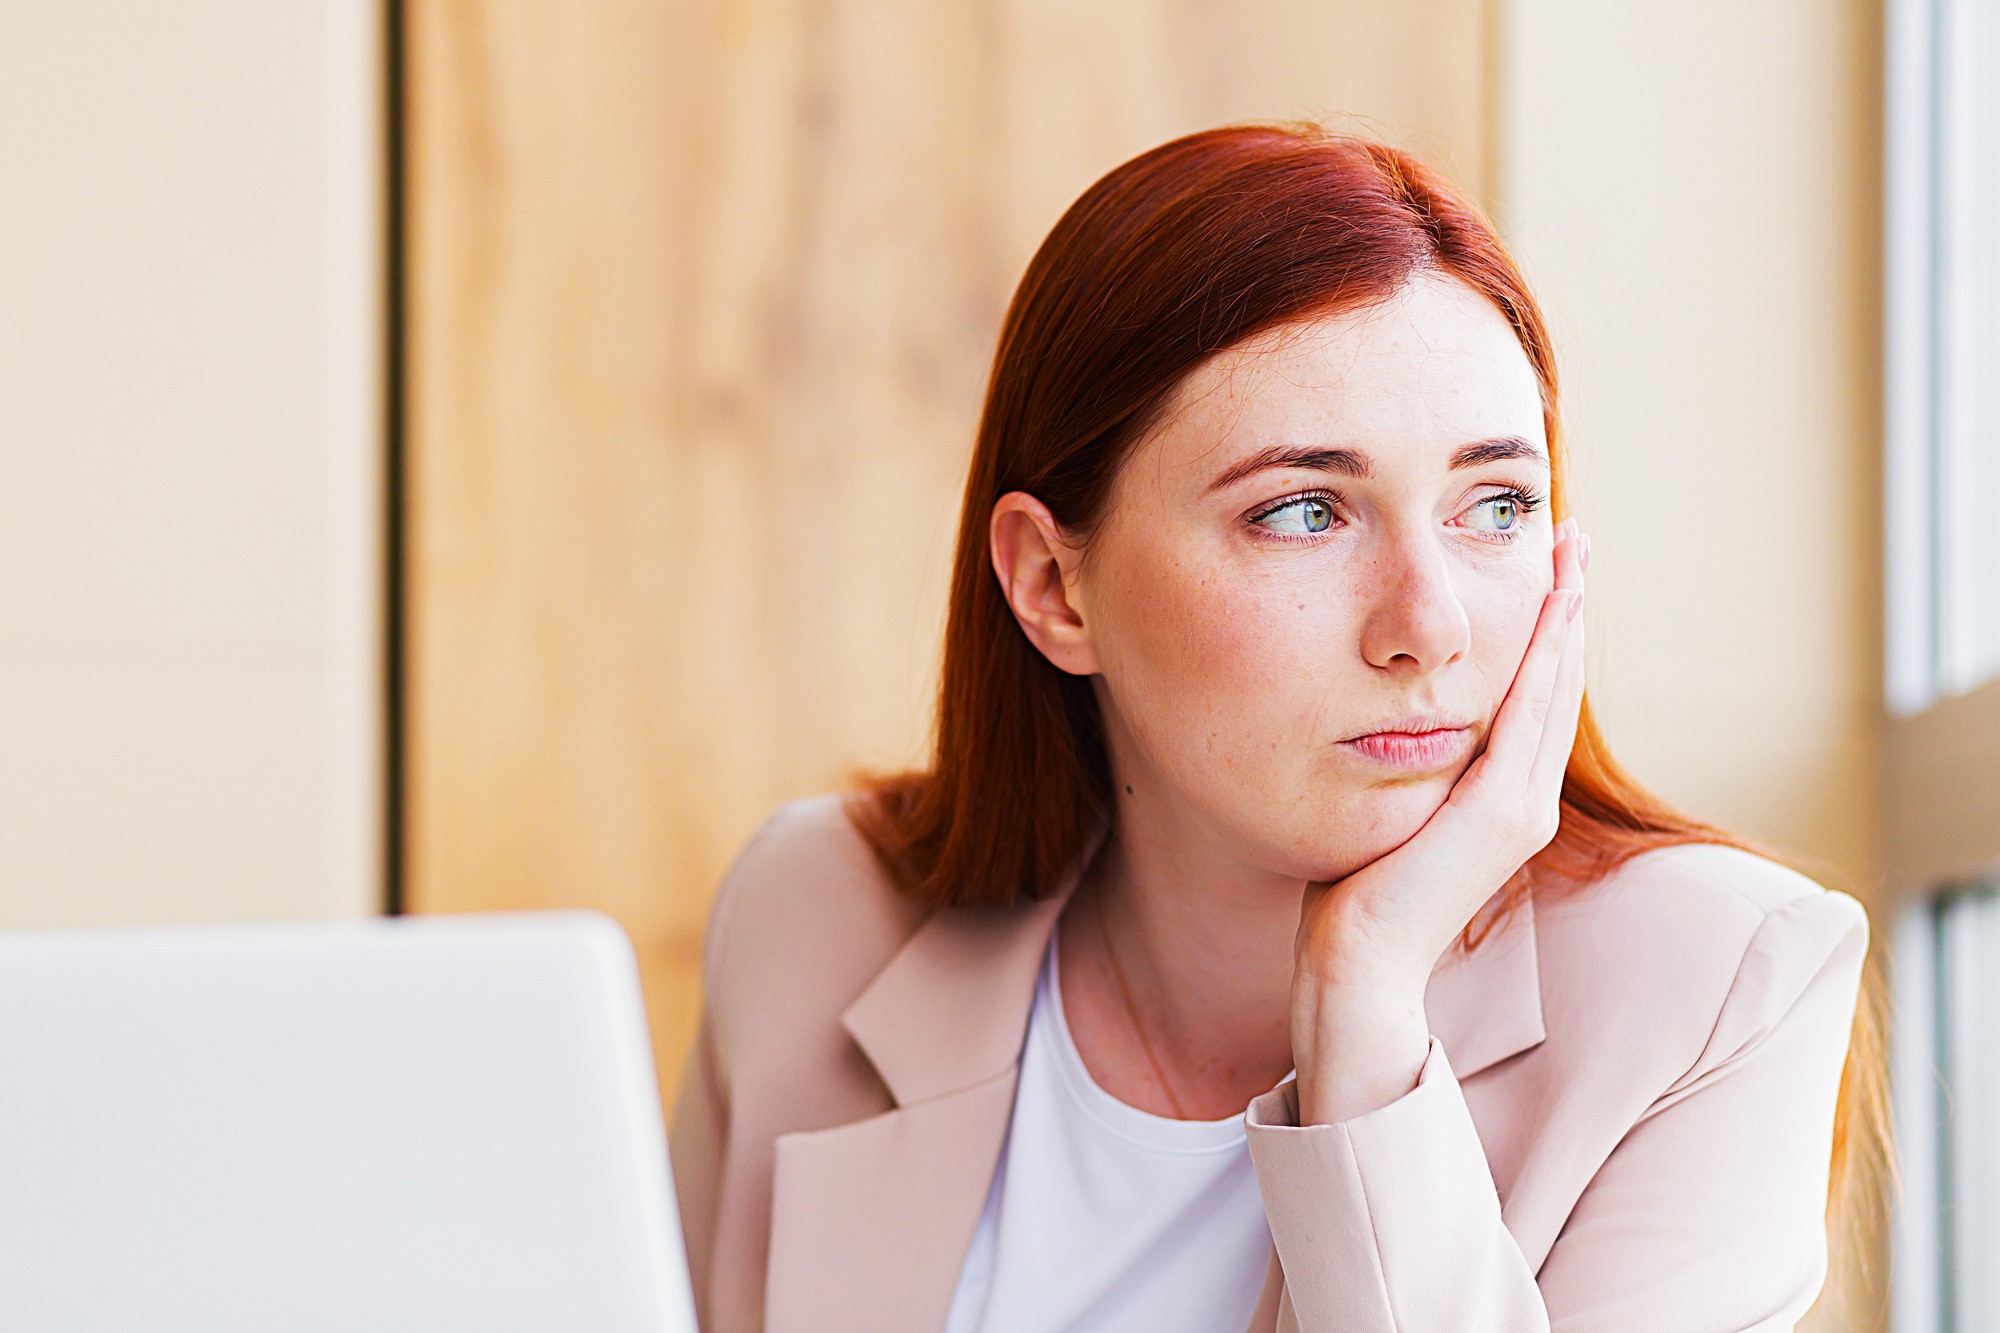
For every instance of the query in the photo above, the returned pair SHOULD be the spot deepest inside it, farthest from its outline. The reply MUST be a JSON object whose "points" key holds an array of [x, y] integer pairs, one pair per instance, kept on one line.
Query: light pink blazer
{"points": [[1623, 1124]]}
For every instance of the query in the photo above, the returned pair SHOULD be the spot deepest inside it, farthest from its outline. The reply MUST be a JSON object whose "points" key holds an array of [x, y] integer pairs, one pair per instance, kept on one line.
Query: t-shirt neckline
{"points": [[1158, 1132]]}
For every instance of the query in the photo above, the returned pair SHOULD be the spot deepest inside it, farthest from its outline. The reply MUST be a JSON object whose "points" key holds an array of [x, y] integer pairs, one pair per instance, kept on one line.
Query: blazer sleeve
{"points": [[1708, 1216], [698, 1130]]}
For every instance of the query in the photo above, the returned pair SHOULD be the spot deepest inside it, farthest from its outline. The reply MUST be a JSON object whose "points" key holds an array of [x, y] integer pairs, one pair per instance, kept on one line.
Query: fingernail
{"points": [[1575, 604], [1586, 551]]}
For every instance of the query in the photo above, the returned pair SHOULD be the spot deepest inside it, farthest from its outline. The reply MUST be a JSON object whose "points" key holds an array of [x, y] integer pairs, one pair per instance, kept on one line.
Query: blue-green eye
{"points": [[1506, 512], [1304, 516]]}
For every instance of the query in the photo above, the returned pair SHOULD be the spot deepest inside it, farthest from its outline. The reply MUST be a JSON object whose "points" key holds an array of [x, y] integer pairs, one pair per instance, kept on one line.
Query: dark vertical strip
{"points": [[394, 417]]}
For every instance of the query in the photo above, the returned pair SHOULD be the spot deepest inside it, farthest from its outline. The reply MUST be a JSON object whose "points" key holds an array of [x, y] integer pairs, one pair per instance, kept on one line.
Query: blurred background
{"points": [[489, 454]]}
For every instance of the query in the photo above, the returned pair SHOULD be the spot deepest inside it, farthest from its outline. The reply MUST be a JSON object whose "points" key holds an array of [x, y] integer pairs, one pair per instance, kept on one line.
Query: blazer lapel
{"points": [[871, 1220], [1486, 1005]]}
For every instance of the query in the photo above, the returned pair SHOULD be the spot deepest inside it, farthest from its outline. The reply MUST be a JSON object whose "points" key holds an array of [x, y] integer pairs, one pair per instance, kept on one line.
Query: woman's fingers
{"points": [[1516, 735], [1566, 706]]}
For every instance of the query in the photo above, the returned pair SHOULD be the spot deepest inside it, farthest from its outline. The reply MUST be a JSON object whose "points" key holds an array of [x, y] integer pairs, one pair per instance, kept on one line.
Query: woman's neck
{"points": [[1203, 946]]}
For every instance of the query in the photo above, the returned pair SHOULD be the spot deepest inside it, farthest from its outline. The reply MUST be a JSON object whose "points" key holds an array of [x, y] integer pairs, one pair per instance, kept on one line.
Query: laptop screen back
{"points": [[408, 1124]]}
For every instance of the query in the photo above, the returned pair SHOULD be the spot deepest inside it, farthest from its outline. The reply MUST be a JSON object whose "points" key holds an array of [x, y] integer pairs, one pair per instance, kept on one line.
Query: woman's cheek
{"points": [[1502, 633], [1268, 674], [1224, 681], [1192, 664]]}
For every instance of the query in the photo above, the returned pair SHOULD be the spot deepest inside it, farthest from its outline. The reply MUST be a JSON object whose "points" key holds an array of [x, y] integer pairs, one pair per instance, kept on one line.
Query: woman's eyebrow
{"points": [[1347, 462], [1496, 450], [1354, 463]]}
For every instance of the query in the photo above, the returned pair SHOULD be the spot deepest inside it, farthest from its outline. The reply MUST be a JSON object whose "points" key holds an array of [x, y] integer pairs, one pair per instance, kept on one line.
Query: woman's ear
{"points": [[1040, 576]]}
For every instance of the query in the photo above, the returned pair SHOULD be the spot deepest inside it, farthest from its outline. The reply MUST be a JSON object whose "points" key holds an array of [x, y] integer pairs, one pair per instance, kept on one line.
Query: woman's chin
{"points": [[1367, 828]]}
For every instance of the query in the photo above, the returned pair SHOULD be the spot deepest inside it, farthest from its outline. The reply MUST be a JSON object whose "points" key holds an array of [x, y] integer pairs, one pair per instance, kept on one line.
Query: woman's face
{"points": [[1337, 530]]}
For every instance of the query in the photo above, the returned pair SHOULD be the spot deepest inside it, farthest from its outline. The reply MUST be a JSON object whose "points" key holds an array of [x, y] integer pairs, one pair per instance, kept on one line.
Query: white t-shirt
{"points": [[1103, 1218]]}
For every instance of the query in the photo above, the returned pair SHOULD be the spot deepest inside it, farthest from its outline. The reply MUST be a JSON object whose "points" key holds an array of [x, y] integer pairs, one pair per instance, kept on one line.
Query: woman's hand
{"points": [[1367, 943]]}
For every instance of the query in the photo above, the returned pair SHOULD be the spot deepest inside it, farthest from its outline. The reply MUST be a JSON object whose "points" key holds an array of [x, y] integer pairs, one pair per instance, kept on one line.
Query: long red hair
{"points": [[1184, 251]]}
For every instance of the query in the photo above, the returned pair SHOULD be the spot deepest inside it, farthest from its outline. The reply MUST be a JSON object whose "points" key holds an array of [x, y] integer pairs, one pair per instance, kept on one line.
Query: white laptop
{"points": [[432, 1124]]}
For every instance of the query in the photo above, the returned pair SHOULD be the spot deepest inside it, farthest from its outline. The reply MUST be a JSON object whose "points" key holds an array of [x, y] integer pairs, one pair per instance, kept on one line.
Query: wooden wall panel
{"points": [[702, 294]]}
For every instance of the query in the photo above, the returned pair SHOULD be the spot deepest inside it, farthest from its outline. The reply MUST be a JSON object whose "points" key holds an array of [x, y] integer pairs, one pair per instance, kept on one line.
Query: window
{"points": [[1942, 182], [1942, 579]]}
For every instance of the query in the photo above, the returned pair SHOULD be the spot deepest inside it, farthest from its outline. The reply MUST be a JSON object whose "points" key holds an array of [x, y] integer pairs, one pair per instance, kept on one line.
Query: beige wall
{"points": [[189, 534], [1694, 190]]}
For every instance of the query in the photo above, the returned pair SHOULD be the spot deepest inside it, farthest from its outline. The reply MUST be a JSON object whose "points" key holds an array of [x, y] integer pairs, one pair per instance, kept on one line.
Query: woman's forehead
{"points": [[1413, 378]]}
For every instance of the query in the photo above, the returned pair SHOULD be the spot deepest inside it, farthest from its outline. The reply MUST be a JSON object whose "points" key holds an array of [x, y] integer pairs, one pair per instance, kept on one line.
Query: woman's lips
{"points": [[1412, 750]]}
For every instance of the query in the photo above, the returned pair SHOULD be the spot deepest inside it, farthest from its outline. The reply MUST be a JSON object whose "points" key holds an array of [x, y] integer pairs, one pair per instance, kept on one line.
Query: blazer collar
{"points": [[950, 1009]]}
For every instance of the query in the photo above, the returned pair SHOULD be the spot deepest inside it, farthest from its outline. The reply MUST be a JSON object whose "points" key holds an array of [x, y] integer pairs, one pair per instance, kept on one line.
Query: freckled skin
{"points": [[1230, 662]]}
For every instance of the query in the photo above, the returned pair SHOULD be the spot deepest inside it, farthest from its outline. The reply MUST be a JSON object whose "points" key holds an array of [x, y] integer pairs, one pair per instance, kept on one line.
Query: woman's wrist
{"points": [[1357, 1047]]}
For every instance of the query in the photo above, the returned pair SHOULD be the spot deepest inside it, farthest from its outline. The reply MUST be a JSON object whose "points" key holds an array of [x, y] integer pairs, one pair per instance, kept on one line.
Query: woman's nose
{"points": [[1415, 622]]}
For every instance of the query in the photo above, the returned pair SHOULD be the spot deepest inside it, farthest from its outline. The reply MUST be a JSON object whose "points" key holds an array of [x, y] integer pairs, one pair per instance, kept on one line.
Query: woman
{"points": [[1272, 942]]}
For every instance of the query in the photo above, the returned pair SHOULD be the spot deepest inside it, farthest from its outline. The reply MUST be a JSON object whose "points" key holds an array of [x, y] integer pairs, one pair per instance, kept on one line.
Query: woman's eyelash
{"points": [[1526, 501], [1277, 505]]}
